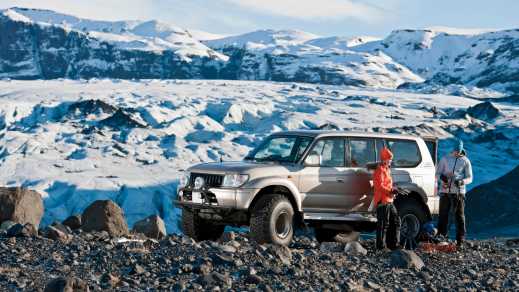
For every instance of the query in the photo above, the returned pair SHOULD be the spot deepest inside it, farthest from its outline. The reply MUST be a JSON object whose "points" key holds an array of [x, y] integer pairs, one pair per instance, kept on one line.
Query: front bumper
{"points": [[216, 198]]}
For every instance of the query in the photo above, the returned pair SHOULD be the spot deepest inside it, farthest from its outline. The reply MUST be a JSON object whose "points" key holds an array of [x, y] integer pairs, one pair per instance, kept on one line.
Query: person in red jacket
{"points": [[388, 222]]}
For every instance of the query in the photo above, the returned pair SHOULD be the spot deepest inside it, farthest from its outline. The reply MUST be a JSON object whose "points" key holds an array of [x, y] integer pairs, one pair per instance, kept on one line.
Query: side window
{"points": [[332, 152], [362, 151], [405, 153]]}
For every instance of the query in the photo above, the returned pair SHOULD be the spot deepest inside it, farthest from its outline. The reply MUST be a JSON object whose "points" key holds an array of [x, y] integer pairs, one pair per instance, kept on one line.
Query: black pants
{"points": [[388, 226], [456, 203]]}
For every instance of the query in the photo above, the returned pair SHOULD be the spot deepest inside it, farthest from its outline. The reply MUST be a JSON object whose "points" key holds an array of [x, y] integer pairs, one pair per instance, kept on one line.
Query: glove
{"points": [[459, 183]]}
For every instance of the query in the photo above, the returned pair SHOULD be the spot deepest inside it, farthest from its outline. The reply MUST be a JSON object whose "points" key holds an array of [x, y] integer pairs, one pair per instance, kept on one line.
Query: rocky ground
{"points": [[102, 262]]}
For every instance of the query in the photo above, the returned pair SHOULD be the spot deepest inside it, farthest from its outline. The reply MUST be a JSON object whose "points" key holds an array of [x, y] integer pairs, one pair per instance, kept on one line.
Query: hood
{"points": [[242, 167]]}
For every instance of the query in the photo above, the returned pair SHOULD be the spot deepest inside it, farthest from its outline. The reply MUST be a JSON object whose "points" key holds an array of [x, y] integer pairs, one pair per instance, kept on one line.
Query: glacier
{"points": [[76, 141]]}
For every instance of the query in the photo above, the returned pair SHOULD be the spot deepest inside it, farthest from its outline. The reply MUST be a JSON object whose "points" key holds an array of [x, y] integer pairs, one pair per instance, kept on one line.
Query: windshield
{"points": [[280, 149]]}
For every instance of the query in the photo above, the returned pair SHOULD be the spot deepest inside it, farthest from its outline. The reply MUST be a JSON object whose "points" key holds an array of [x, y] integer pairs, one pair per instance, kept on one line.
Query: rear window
{"points": [[405, 152]]}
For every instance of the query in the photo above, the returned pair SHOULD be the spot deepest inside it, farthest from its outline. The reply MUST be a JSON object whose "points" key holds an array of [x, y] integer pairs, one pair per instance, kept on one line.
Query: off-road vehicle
{"points": [[321, 179]]}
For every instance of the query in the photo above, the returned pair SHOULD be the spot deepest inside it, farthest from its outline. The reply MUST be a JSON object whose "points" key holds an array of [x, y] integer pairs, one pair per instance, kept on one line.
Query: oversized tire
{"points": [[412, 217], [198, 228], [271, 220], [325, 235]]}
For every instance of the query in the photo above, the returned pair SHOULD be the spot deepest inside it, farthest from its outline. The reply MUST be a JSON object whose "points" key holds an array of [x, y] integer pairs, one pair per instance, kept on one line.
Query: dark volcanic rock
{"points": [[152, 227], [494, 204], [20, 205], [484, 111], [104, 216], [66, 285], [90, 106], [121, 120], [73, 222], [176, 263]]}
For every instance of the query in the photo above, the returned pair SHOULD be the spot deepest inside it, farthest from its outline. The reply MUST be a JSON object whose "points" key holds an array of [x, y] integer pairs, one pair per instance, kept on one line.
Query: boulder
{"points": [[406, 259], [73, 222], [69, 284], [355, 248], [22, 230], [20, 205], [56, 234], [104, 215], [345, 237], [281, 252], [152, 227]]}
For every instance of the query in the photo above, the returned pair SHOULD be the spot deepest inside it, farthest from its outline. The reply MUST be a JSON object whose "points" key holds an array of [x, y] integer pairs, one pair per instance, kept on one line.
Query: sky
{"points": [[321, 17]]}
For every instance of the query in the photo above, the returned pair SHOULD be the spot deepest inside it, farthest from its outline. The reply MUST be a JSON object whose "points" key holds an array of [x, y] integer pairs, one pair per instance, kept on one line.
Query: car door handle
{"points": [[339, 180]]}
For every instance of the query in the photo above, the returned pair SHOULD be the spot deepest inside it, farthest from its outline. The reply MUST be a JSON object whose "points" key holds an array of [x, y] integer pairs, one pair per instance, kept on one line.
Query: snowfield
{"points": [[79, 141]]}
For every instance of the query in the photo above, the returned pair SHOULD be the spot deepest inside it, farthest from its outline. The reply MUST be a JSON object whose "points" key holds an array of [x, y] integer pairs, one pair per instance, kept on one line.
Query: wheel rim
{"points": [[410, 226], [283, 225]]}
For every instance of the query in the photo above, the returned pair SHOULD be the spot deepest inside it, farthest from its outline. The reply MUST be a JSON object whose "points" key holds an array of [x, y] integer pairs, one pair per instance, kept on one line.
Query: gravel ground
{"points": [[179, 263]]}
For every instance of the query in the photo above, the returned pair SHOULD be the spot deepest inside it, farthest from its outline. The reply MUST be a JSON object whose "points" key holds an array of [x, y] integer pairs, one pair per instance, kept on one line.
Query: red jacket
{"points": [[382, 181]]}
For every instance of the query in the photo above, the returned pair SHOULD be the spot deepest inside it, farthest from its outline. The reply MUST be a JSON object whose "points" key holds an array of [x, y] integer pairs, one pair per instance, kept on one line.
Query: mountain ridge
{"points": [[405, 58]]}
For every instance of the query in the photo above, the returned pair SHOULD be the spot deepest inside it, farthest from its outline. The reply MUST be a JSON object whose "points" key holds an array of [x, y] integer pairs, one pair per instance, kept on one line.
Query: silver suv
{"points": [[322, 179]]}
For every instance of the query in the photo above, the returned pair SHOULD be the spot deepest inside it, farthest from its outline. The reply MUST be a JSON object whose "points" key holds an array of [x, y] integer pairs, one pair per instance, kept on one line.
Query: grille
{"points": [[211, 180]]}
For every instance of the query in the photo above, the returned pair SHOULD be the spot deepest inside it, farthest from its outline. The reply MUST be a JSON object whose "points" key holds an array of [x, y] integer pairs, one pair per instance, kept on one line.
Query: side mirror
{"points": [[313, 159]]}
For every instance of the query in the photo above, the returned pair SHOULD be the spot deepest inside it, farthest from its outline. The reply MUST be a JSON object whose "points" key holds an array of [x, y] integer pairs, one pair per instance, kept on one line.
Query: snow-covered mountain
{"points": [[488, 59], [78, 141], [45, 44], [38, 44]]}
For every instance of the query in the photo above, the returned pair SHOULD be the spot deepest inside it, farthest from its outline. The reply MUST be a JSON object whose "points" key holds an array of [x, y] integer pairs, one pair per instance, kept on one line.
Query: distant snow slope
{"points": [[264, 39], [78, 141]]}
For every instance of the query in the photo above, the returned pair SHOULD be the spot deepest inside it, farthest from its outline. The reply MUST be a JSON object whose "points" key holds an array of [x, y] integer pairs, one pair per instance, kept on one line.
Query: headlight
{"points": [[184, 179], [199, 183], [234, 180]]}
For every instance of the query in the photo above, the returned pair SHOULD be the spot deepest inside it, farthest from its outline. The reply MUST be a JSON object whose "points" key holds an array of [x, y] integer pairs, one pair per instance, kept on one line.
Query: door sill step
{"points": [[354, 217]]}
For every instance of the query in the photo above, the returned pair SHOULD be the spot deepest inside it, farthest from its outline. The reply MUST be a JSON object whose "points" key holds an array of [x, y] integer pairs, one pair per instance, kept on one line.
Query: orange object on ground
{"points": [[382, 181], [437, 247]]}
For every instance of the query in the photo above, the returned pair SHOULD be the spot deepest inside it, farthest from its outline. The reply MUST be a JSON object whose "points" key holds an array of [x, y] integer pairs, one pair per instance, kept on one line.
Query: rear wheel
{"points": [[272, 220], [412, 217], [198, 228]]}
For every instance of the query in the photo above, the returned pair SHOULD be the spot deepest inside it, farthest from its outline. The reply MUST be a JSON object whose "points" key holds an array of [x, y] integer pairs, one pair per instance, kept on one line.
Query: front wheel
{"points": [[198, 228], [272, 220]]}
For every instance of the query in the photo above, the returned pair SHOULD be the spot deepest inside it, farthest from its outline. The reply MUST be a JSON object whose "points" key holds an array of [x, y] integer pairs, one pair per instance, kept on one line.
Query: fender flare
{"points": [[412, 187], [259, 185]]}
